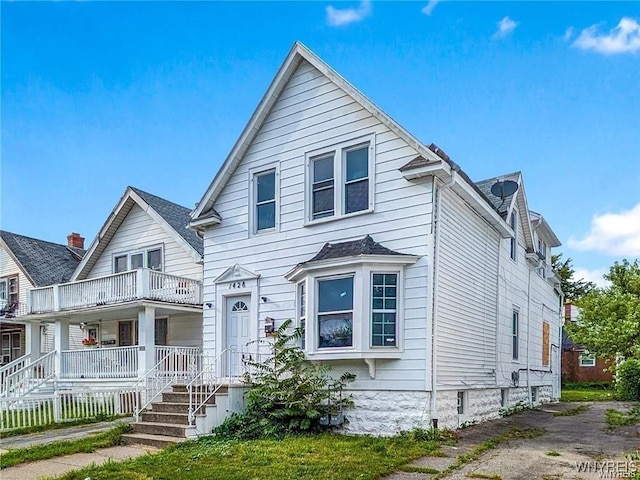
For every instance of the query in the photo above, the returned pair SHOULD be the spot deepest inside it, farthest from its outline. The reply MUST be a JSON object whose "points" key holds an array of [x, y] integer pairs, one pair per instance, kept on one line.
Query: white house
{"points": [[136, 294], [436, 293]]}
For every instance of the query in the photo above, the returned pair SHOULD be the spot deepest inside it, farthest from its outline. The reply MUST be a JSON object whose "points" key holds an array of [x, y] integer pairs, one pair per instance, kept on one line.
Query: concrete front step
{"points": [[158, 441], [179, 388], [167, 407], [163, 417], [173, 397], [168, 429]]}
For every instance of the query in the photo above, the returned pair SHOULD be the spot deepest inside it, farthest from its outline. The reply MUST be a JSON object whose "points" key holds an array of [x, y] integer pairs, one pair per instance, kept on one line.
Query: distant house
{"points": [[26, 263], [135, 298], [578, 365], [435, 291]]}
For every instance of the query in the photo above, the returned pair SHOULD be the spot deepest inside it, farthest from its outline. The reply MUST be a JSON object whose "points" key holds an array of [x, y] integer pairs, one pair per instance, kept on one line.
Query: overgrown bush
{"points": [[288, 395], [628, 380]]}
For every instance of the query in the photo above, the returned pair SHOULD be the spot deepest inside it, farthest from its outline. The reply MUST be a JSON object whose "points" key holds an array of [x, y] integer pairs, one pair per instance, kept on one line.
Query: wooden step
{"points": [[168, 429], [157, 441], [162, 417]]}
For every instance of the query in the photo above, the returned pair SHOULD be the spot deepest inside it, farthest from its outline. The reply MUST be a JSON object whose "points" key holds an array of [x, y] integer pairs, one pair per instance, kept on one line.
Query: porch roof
{"points": [[120, 311]]}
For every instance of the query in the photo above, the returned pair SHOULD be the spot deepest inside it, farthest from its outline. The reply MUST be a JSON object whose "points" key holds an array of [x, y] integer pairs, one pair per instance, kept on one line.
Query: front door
{"points": [[238, 334]]}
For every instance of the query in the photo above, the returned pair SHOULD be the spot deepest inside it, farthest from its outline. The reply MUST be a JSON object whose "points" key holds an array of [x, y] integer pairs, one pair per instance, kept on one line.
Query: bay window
{"points": [[352, 308]]}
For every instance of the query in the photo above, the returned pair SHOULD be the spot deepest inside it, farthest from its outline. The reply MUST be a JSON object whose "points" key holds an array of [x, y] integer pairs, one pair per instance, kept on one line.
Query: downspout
{"points": [[436, 265], [530, 400]]}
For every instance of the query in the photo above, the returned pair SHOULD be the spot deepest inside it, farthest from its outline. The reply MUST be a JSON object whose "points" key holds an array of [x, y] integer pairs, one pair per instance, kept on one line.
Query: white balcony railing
{"points": [[117, 362], [113, 289]]}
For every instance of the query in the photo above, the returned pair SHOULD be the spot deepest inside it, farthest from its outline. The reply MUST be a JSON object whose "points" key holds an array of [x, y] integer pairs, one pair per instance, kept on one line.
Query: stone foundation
{"points": [[387, 413]]}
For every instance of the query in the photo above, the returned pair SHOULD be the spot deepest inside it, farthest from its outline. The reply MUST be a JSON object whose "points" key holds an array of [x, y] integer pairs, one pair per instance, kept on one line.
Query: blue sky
{"points": [[98, 96]]}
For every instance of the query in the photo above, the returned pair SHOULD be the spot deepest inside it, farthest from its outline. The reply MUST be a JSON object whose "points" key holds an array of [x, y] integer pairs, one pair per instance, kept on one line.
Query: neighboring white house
{"points": [[438, 295], [136, 293]]}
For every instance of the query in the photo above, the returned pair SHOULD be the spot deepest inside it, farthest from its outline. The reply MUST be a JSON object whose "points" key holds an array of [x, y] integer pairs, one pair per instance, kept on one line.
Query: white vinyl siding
{"points": [[466, 323], [9, 268], [140, 232], [313, 114]]}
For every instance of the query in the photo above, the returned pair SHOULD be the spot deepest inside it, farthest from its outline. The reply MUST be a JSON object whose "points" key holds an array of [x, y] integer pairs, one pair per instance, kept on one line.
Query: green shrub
{"points": [[288, 395], [628, 380]]}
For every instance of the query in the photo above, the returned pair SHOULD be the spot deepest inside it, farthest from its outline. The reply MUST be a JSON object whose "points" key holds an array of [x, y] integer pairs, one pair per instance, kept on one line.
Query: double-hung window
{"points": [[335, 312], [323, 188], [513, 245], [265, 201], [9, 293], [515, 327], [340, 180], [384, 296]]}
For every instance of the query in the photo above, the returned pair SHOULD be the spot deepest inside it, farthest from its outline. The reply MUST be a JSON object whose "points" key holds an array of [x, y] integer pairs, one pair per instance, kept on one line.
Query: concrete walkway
{"points": [[60, 465]]}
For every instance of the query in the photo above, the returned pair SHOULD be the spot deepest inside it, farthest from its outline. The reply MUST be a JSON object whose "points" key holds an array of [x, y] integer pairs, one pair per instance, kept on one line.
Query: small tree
{"points": [[573, 289], [287, 394], [609, 320]]}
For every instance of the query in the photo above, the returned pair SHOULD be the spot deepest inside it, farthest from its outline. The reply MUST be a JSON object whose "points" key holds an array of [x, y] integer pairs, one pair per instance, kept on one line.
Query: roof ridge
{"points": [[34, 239]]}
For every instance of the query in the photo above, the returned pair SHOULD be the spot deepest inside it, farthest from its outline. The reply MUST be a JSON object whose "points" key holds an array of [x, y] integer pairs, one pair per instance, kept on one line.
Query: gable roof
{"points": [[44, 263], [204, 213], [173, 218], [175, 215], [501, 205]]}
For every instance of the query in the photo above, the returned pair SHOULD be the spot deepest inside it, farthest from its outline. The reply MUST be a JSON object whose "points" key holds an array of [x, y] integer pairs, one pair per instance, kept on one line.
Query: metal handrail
{"points": [[152, 374], [204, 386]]}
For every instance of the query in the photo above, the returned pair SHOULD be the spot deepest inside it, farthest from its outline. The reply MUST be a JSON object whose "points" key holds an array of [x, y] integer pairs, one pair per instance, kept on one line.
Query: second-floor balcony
{"points": [[140, 284]]}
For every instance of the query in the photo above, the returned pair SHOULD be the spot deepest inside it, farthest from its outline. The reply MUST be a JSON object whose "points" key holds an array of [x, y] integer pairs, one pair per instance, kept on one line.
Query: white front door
{"points": [[238, 334]]}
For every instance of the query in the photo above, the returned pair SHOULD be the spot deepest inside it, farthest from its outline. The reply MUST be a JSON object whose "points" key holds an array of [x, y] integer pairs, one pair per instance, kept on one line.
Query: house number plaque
{"points": [[237, 285]]}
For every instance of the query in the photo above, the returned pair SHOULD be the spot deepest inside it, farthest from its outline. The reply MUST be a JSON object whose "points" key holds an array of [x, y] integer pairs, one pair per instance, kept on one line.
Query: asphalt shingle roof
{"points": [[363, 246], [45, 262], [485, 188], [175, 215]]}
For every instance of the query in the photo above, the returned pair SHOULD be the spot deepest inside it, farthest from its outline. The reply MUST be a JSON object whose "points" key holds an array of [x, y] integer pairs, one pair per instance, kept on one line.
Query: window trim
{"points": [[6, 280], [362, 271], [586, 354], [145, 257], [316, 311], [373, 310], [515, 334], [254, 173], [339, 151], [302, 302], [513, 241]]}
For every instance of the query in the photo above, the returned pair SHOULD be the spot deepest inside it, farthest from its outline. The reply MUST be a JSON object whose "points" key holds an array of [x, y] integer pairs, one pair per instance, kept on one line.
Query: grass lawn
{"points": [[314, 458], [583, 395]]}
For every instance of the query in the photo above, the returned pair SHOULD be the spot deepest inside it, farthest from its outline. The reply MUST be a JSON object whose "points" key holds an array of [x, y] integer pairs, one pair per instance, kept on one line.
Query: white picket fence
{"points": [[64, 406]]}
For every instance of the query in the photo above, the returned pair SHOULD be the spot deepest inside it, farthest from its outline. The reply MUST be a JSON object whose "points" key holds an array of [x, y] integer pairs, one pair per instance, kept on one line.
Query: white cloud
{"points": [[343, 16], [568, 33], [615, 234], [594, 276], [505, 27], [625, 38], [428, 8]]}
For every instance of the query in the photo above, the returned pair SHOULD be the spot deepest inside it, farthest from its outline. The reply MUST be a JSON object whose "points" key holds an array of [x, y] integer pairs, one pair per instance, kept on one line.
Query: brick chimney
{"points": [[75, 240]]}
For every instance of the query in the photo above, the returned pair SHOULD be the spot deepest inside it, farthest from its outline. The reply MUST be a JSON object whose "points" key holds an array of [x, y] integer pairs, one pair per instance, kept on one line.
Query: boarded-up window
{"points": [[545, 344]]}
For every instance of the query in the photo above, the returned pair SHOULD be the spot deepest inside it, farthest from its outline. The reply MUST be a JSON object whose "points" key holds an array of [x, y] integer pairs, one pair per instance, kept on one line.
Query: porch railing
{"points": [[182, 362], [117, 288], [169, 288], [117, 362], [64, 406], [28, 378], [12, 367]]}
